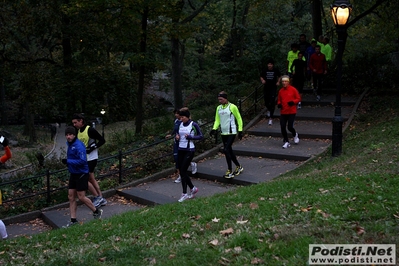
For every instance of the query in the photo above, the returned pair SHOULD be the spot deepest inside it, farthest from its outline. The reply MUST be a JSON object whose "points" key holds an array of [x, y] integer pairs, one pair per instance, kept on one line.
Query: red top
{"points": [[286, 95], [318, 63], [6, 156]]}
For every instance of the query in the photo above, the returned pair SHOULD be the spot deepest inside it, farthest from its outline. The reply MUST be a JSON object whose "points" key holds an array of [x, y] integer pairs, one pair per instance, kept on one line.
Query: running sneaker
{"points": [[299, 105], [268, 114], [98, 214], [238, 170], [286, 145], [70, 223], [97, 201], [270, 122], [318, 98], [296, 138], [228, 174], [183, 197], [178, 179], [193, 192], [193, 168], [103, 202]]}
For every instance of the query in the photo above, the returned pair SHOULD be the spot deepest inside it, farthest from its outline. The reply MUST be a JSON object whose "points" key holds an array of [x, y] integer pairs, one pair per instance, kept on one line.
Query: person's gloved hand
{"points": [[3, 141], [91, 148], [291, 103], [213, 132], [64, 161], [240, 135], [279, 106]]}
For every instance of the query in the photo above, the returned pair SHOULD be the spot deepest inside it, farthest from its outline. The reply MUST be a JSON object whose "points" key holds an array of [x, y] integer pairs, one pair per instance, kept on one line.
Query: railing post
{"points": [[239, 105], [120, 166], [256, 100], [48, 186]]}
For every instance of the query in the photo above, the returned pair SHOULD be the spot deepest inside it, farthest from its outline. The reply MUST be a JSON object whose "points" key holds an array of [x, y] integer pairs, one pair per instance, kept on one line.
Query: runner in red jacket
{"points": [[287, 100], [7, 152]]}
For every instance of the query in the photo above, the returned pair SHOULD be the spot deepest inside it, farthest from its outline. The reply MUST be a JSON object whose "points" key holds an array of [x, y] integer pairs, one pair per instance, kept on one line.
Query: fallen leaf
{"points": [[227, 231], [242, 222], [215, 220], [172, 256], [257, 261], [185, 235], [197, 217], [253, 206], [224, 261], [237, 249], [239, 205], [214, 242], [159, 234], [102, 259], [262, 198]]}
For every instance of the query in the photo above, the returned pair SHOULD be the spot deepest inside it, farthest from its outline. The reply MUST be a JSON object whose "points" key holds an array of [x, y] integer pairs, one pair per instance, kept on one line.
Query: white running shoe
{"points": [[299, 105], [184, 197], [193, 192], [193, 168], [270, 122], [318, 98], [296, 138], [268, 113], [178, 179], [286, 145]]}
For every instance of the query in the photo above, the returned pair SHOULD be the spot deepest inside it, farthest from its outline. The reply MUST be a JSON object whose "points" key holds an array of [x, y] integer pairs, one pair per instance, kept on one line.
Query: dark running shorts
{"points": [[79, 182], [92, 164]]}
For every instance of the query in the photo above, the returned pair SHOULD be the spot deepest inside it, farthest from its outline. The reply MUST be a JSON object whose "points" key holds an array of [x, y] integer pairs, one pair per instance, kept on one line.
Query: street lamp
{"points": [[340, 12], [102, 121]]}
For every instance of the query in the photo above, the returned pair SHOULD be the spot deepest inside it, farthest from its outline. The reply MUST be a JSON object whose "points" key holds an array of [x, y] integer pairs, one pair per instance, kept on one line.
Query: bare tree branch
{"points": [[368, 11]]}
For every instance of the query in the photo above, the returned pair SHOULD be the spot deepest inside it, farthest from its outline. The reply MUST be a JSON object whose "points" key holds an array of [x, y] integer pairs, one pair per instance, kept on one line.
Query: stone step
{"points": [[272, 148], [306, 129], [319, 113], [165, 191], [256, 169], [58, 218]]}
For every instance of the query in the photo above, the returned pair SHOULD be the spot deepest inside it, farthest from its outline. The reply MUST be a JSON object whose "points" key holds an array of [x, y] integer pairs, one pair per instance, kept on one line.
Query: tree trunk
{"points": [[67, 60], [29, 129], [142, 69], [3, 103], [316, 19], [177, 67]]}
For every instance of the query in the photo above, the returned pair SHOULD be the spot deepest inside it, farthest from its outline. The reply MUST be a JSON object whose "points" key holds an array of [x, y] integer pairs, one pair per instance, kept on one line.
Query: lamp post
{"points": [[102, 121], [340, 12]]}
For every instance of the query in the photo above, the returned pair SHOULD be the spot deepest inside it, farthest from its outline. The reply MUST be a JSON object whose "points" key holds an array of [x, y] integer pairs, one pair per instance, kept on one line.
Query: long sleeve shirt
{"points": [[318, 63], [285, 95], [188, 132], [228, 118], [76, 157]]}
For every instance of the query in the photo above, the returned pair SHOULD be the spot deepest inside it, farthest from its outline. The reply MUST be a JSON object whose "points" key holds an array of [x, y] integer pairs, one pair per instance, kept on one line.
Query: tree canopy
{"points": [[67, 56]]}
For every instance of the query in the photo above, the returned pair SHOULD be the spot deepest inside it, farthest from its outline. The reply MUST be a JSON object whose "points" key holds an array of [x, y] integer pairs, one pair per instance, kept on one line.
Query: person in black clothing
{"points": [[303, 44], [298, 68], [270, 78]]}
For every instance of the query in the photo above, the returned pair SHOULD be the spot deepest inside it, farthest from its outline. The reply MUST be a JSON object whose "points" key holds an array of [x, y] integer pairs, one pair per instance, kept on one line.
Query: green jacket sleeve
{"points": [[217, 119], [237, 115]]}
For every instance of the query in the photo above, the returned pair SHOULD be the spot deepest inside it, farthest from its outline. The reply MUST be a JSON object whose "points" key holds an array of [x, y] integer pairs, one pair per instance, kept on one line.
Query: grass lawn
{"points": [[348, 199]]}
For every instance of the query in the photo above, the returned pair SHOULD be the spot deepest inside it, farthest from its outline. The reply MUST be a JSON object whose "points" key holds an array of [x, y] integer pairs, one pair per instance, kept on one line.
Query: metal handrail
{"points": [[49, 178]]}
